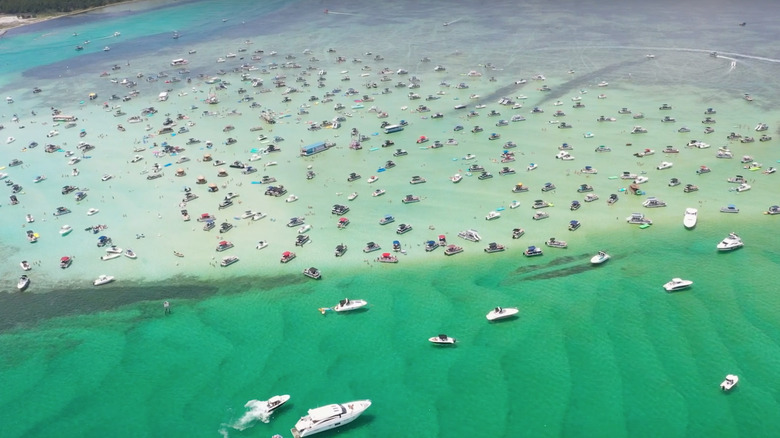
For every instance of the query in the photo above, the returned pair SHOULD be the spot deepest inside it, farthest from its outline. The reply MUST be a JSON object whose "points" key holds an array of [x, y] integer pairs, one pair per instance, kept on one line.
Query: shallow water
{"points": [[596, 351]]}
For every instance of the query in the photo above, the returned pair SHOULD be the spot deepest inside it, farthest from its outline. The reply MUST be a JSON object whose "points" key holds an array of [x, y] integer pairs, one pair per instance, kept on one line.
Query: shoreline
{"points": [[9, 22]]}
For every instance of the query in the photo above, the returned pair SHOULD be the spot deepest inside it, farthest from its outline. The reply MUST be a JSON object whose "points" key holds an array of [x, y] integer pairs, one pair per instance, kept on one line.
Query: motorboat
{"points": [[638, 219], [25, 265], [532, 166], [730, 243], [574, 225], [502, 313], [228, 260], [743, 187], [585, 188], [519, 188], [103, 279], [304, 228], [111, 256], [731, 208], [775, 209], [652, 202], [599, 258], [540, 215], [702, 170], [548, 186], [575, 205], [410, 199], [590, 197], [296, 221], [403, 228], [493, 215], [328, 417], [456, 178], [224, 245], [664, 165], [644, 153], [494, 247], [23, 283], [287, 256], [29, 218], [129, 253], [641, 179], [533, 251], [302, 239], [342, 222], [539, 203], [471, 235], [514, 204], [65, 230], [341, 249], [313, 273], [690, 218], [386, 220], [442, 340], [371, 247], [386, 257], [291, 198], [676, 284], [730, 382], [347, 305], [417, 180], [554, 243], [517, 233], [452, 250]]}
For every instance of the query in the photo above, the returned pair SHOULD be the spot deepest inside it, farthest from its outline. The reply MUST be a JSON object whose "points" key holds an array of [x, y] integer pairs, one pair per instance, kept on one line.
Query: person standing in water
{"points": [[167, 307]]}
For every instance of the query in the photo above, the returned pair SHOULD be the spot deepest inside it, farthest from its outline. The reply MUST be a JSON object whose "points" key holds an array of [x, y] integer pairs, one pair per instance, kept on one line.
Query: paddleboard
{"points": [[256, 182], [613, 177], [166, 165]]}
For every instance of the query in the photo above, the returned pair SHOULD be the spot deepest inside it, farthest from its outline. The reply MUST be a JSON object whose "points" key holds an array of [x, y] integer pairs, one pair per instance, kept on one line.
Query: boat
{"points": [[533, 251], [103, 279], [730, 243], [517, 233], [652, 202], [731, 208], [386, 257], [676, 284], [452, 250], [442, 340], [304, 228], [519, 187], [39, 178], [775, 209], [553, 243], [539, 203], [386, 220], [502, 313], [129, 253], [111, 256], [690, 218], [638, 219], [25, 265], [378, 192], [312, 272], [644, 153], [471, 235], [574, 225], [417, 180], [328, 417], [493, 215], [65, 230], [743, 187], [352, 196], [548, 186], [291, 198], [641, 179], [540, 215], [287, 256], [575, 205], [228, 260], [494, 247], [703, 169], [532, 166], [224, 245], [514, 204], [600, 258], [347, 305], [456, 178], [730, 382], [23, 283], [664, 165], [371, 247]]}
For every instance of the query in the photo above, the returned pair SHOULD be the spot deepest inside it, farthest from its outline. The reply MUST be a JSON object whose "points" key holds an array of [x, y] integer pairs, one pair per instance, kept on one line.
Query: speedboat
{"points": [[328, 417], [129, 253], [456, 178], [275, 402], [346, 305], [731, 208], [492, 215], [730, 382], [65, 230], [677, 284], [664, 165], [690, 218], [501, 313], [743, 187], [304, 228], [92, 211], [111, 256], [730, 243], [23, 283], [442, 340], [25, 265], [600, 258], [103, 279]]}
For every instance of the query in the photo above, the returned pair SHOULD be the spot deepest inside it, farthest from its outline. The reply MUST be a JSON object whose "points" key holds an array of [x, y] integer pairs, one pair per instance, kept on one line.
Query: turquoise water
{"points": [[596, 351]]}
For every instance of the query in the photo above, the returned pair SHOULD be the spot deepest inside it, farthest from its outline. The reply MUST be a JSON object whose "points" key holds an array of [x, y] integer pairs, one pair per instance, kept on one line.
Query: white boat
{"points": [[329, 417], [29, 218], [743, 187], [690, 218], [372, 178], [664, 165], [501, 313], [25, 265], [114, 250], [129, 253], [92, 211], [346, 305], [676, 284], [730, 382], [65, 230], [442, 340], [23, 283], [730, 243], [456, 178], [291, 198], [600, 258], [492, 215], [261, 244], [110, 256], [304, 228], [276, 402], [514, 204], [352, 196], [103, 279]]}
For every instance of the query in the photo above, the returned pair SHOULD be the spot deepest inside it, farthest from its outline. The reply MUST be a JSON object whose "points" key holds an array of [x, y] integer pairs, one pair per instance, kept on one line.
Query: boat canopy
{"points": [[286, 254], [385, 254]]}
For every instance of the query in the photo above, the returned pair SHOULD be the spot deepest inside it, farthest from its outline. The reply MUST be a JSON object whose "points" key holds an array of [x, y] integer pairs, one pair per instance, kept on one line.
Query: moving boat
{"points": [[328, 417], [103, 279], [501, 313], [347, 305], [730, 382], [677, 284], [690, 218], [600, 258], [730, 243], [442, 340]]}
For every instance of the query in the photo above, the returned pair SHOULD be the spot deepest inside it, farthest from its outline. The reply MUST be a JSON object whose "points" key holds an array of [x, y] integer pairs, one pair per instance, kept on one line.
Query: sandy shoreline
{"points": [[8, 22]]}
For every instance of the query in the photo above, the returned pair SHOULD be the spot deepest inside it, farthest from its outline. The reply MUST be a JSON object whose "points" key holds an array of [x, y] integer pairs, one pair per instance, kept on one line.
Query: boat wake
{"points": [[256, 410]]}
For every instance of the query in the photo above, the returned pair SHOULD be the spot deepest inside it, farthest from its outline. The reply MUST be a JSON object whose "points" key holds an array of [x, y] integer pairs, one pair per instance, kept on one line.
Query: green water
{"points": [[595, 352]]}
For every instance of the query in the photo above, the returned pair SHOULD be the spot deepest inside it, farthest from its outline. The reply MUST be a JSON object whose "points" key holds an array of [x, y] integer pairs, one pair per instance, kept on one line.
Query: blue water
{"points": [[596, 351]]}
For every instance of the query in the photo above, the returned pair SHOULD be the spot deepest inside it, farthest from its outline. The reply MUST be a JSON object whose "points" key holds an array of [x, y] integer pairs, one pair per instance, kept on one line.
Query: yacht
{"points": [[730, 243], [23, 283], [690, 218], [501, 313], [103, 279], [677, 284], [346, 305], [328, 417], [442, 340], [600, 258], [729, 383]]}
